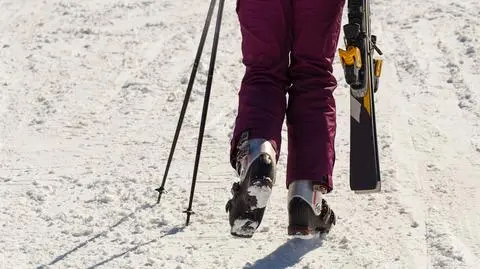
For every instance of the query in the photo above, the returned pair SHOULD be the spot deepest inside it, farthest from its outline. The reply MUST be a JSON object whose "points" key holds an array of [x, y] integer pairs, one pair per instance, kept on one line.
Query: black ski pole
{"points": [[205, 106], [161, 189]]}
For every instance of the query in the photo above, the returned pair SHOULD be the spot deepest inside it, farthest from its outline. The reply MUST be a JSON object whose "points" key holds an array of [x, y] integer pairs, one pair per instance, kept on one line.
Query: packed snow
{"points": [[90, 97]]}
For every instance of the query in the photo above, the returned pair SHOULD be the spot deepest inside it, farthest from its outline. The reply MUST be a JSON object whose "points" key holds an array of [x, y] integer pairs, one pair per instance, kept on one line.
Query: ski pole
{"points": [[161, 189], [205, 106]]}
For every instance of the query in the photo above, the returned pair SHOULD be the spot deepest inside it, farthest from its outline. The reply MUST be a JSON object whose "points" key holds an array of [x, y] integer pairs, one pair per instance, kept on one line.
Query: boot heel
{"points": [[251, 194], [300, 218], [308, 212]]}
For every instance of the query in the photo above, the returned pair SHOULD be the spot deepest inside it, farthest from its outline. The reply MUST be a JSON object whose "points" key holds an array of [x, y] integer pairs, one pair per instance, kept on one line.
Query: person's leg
{"points": [[257, 133], [265, 48], [311, 116]]}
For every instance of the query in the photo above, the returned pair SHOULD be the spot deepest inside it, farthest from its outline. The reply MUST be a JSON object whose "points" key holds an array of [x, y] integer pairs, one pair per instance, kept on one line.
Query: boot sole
{"points": [[301, 232], [256, 201]]}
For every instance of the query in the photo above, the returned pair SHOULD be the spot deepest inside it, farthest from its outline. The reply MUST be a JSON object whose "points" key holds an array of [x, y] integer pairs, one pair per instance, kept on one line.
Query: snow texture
{"points": [[262, 195], [244, 227], [90, 94]]}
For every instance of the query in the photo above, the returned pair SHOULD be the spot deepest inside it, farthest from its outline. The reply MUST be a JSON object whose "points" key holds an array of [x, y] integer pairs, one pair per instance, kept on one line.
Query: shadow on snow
{"points": [[287, 254], [101, 234]]}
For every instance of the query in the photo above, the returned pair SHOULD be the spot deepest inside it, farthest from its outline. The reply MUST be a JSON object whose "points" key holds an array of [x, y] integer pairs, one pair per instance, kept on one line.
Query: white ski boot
{"points": [[255, 165], [308, 212]]}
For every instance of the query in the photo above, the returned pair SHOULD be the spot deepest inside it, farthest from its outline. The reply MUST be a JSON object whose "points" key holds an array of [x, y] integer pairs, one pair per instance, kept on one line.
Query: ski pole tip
{"points": [[160, 191]]}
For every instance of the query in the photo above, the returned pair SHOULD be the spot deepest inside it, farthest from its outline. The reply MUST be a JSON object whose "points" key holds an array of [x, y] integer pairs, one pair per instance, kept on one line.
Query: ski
{"points": [[362, 73]]}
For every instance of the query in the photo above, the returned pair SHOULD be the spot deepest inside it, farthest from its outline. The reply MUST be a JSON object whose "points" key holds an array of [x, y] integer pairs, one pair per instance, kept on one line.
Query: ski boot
{"points": [[255, 165], [308, 212]]}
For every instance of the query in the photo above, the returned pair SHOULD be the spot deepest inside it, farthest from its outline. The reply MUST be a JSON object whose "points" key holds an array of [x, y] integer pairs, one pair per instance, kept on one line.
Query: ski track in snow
{"points": [[90, 98]]}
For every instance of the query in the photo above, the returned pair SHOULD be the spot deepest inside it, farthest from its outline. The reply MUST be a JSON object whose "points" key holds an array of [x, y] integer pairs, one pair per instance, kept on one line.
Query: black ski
{"points": [[362, 72]]}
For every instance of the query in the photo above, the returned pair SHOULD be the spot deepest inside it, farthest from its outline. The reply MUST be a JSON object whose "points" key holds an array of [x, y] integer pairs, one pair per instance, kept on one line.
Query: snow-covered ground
{"points": [[90, 93]]}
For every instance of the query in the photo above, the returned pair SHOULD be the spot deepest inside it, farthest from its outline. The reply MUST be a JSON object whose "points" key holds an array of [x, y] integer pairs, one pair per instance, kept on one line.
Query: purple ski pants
{"points": [[288, 47]]}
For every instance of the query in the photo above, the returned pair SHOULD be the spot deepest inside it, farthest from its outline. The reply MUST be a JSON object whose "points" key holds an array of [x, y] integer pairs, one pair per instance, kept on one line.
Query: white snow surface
{"points": [[262, 195], [90, 97]]}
